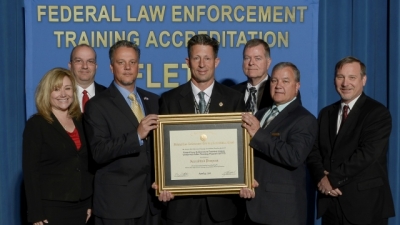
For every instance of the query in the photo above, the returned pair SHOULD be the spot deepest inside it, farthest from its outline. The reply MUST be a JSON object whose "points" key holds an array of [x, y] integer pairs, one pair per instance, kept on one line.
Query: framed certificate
{"points": [[198, 154]]}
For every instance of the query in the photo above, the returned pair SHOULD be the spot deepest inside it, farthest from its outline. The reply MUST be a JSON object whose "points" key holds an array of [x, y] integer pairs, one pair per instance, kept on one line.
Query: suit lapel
{"points": [[60, 129], [351, 120], [332, 117], [217, 99], [266, 100], [118, 100], [145, 101], [187, 101], [283, 115]]}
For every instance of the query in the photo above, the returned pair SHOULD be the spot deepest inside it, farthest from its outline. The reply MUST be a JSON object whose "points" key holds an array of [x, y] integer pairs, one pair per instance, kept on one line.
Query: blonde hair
{"points": [[51, 80]]}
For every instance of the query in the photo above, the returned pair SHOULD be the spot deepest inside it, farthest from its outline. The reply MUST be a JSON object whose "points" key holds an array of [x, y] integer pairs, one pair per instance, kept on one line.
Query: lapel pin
{"points": [[221, 104], [145, 98]]}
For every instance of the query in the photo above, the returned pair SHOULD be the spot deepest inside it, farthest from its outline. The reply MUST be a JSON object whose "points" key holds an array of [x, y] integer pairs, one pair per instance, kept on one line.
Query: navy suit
{"points": [[123, 181]]}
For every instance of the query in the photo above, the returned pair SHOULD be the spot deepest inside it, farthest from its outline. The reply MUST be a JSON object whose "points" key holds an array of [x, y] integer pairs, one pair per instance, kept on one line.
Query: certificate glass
{"points": [[197, 154]]}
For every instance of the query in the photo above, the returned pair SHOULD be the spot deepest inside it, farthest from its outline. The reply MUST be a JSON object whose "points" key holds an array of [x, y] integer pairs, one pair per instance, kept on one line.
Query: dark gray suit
{"points": [[280, 152]]}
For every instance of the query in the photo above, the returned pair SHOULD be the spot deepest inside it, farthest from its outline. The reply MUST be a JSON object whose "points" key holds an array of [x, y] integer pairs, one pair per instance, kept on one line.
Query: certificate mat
{"points": [[198, 154]]}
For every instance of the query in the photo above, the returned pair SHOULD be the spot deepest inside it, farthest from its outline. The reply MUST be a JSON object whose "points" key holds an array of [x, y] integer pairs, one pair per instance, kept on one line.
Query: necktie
{"points": [[271, 116], [136, 107], [345, 112], [85, 98], [202, 102], [251, 100]]}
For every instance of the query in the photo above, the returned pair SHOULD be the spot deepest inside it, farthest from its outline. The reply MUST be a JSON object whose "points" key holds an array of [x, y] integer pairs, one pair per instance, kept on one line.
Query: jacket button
{"points": [[77, 169]]}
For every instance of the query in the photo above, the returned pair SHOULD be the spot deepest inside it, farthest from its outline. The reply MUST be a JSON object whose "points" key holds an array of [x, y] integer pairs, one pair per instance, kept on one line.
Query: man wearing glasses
{"points": [[83, 65]]}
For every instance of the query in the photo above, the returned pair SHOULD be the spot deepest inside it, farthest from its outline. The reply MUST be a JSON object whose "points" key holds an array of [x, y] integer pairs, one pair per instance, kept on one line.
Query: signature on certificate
{"points": [[184, 174], [229, 172]]}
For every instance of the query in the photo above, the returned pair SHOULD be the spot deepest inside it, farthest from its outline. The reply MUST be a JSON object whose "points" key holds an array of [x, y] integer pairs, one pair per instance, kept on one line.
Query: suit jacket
{"points": [[122, 187], [266, 99], [280, 153], [53, 168], [355, 159], [98, 88], [180, 101]]}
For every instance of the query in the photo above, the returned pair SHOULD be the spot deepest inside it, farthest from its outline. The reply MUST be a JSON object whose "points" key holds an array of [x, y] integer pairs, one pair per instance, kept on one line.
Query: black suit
{"points": [[280, 153], [53, 168], [180, 101], [98, 88], [266, 99], [355, 158], [123, 180]]}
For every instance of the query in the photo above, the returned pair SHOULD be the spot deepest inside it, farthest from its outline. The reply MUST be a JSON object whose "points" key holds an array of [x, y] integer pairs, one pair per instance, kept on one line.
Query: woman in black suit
{"points": [[58, 183]]}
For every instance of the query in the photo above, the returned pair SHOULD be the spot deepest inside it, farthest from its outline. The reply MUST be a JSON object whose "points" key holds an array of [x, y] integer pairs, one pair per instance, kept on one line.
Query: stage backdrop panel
{"points": [[162, 29]]}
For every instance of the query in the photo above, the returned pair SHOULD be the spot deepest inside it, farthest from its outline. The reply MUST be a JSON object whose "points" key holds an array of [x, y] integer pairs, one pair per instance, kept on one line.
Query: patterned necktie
{"points": [[202, 102], [85, 98], [136, 107], [271, 116], [345, 112], [251, 100]]}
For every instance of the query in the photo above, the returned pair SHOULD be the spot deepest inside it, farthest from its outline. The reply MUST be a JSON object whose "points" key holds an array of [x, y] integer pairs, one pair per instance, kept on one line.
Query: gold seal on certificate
{"points": [[199, 154]]}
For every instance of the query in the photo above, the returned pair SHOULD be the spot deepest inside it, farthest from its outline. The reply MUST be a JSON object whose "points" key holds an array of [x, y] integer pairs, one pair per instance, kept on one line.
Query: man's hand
{"points": [[147, 124], [248, 193], [165, 196], [88, 214], [325, 187], [250, 123], [41, 222]]}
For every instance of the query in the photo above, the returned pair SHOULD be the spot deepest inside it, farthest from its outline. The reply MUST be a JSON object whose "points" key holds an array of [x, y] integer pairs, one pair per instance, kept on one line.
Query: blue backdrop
{"points": [[368, 29], [162, 28]]}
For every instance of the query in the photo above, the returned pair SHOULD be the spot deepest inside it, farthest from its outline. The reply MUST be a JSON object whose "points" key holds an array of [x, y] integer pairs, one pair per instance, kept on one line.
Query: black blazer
{"points": [[180, 101], [266, 99], [355, 159], [122, 187], [280, 153], [98, 88], [53, 168]]}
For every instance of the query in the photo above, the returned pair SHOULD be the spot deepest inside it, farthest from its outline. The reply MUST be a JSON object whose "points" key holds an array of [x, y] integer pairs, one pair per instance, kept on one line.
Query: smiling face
{"points": [[202, 63], [83, 65], [255, 64], [62, 97], [349, 82], [125, 67], [284, 86]]}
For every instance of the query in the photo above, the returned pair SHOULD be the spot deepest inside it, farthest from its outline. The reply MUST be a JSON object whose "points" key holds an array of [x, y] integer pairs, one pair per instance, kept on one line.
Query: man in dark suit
{"points": [[83, 66], [256, 61], [118, 122], [348, 160], [282, 138], [202, 94]]}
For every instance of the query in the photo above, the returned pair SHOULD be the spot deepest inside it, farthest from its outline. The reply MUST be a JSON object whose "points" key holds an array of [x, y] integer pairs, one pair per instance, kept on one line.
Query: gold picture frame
{"points": [[202, 154]]}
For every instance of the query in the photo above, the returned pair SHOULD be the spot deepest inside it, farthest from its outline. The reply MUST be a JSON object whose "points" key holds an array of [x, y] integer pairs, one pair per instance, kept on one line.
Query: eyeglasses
{"points": [[90, 62]]}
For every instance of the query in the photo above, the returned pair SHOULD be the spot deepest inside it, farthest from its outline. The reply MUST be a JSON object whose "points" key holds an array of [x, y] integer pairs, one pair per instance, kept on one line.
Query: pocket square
{"points": [[145, 98]]}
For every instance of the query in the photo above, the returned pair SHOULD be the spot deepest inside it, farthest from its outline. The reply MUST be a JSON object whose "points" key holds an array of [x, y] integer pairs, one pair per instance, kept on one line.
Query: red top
{"points": [[75, 137]]}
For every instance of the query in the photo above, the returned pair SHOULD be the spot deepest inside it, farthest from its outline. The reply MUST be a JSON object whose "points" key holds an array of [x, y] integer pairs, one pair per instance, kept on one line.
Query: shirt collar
{"points": [[89, 89], [207, 91]]}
